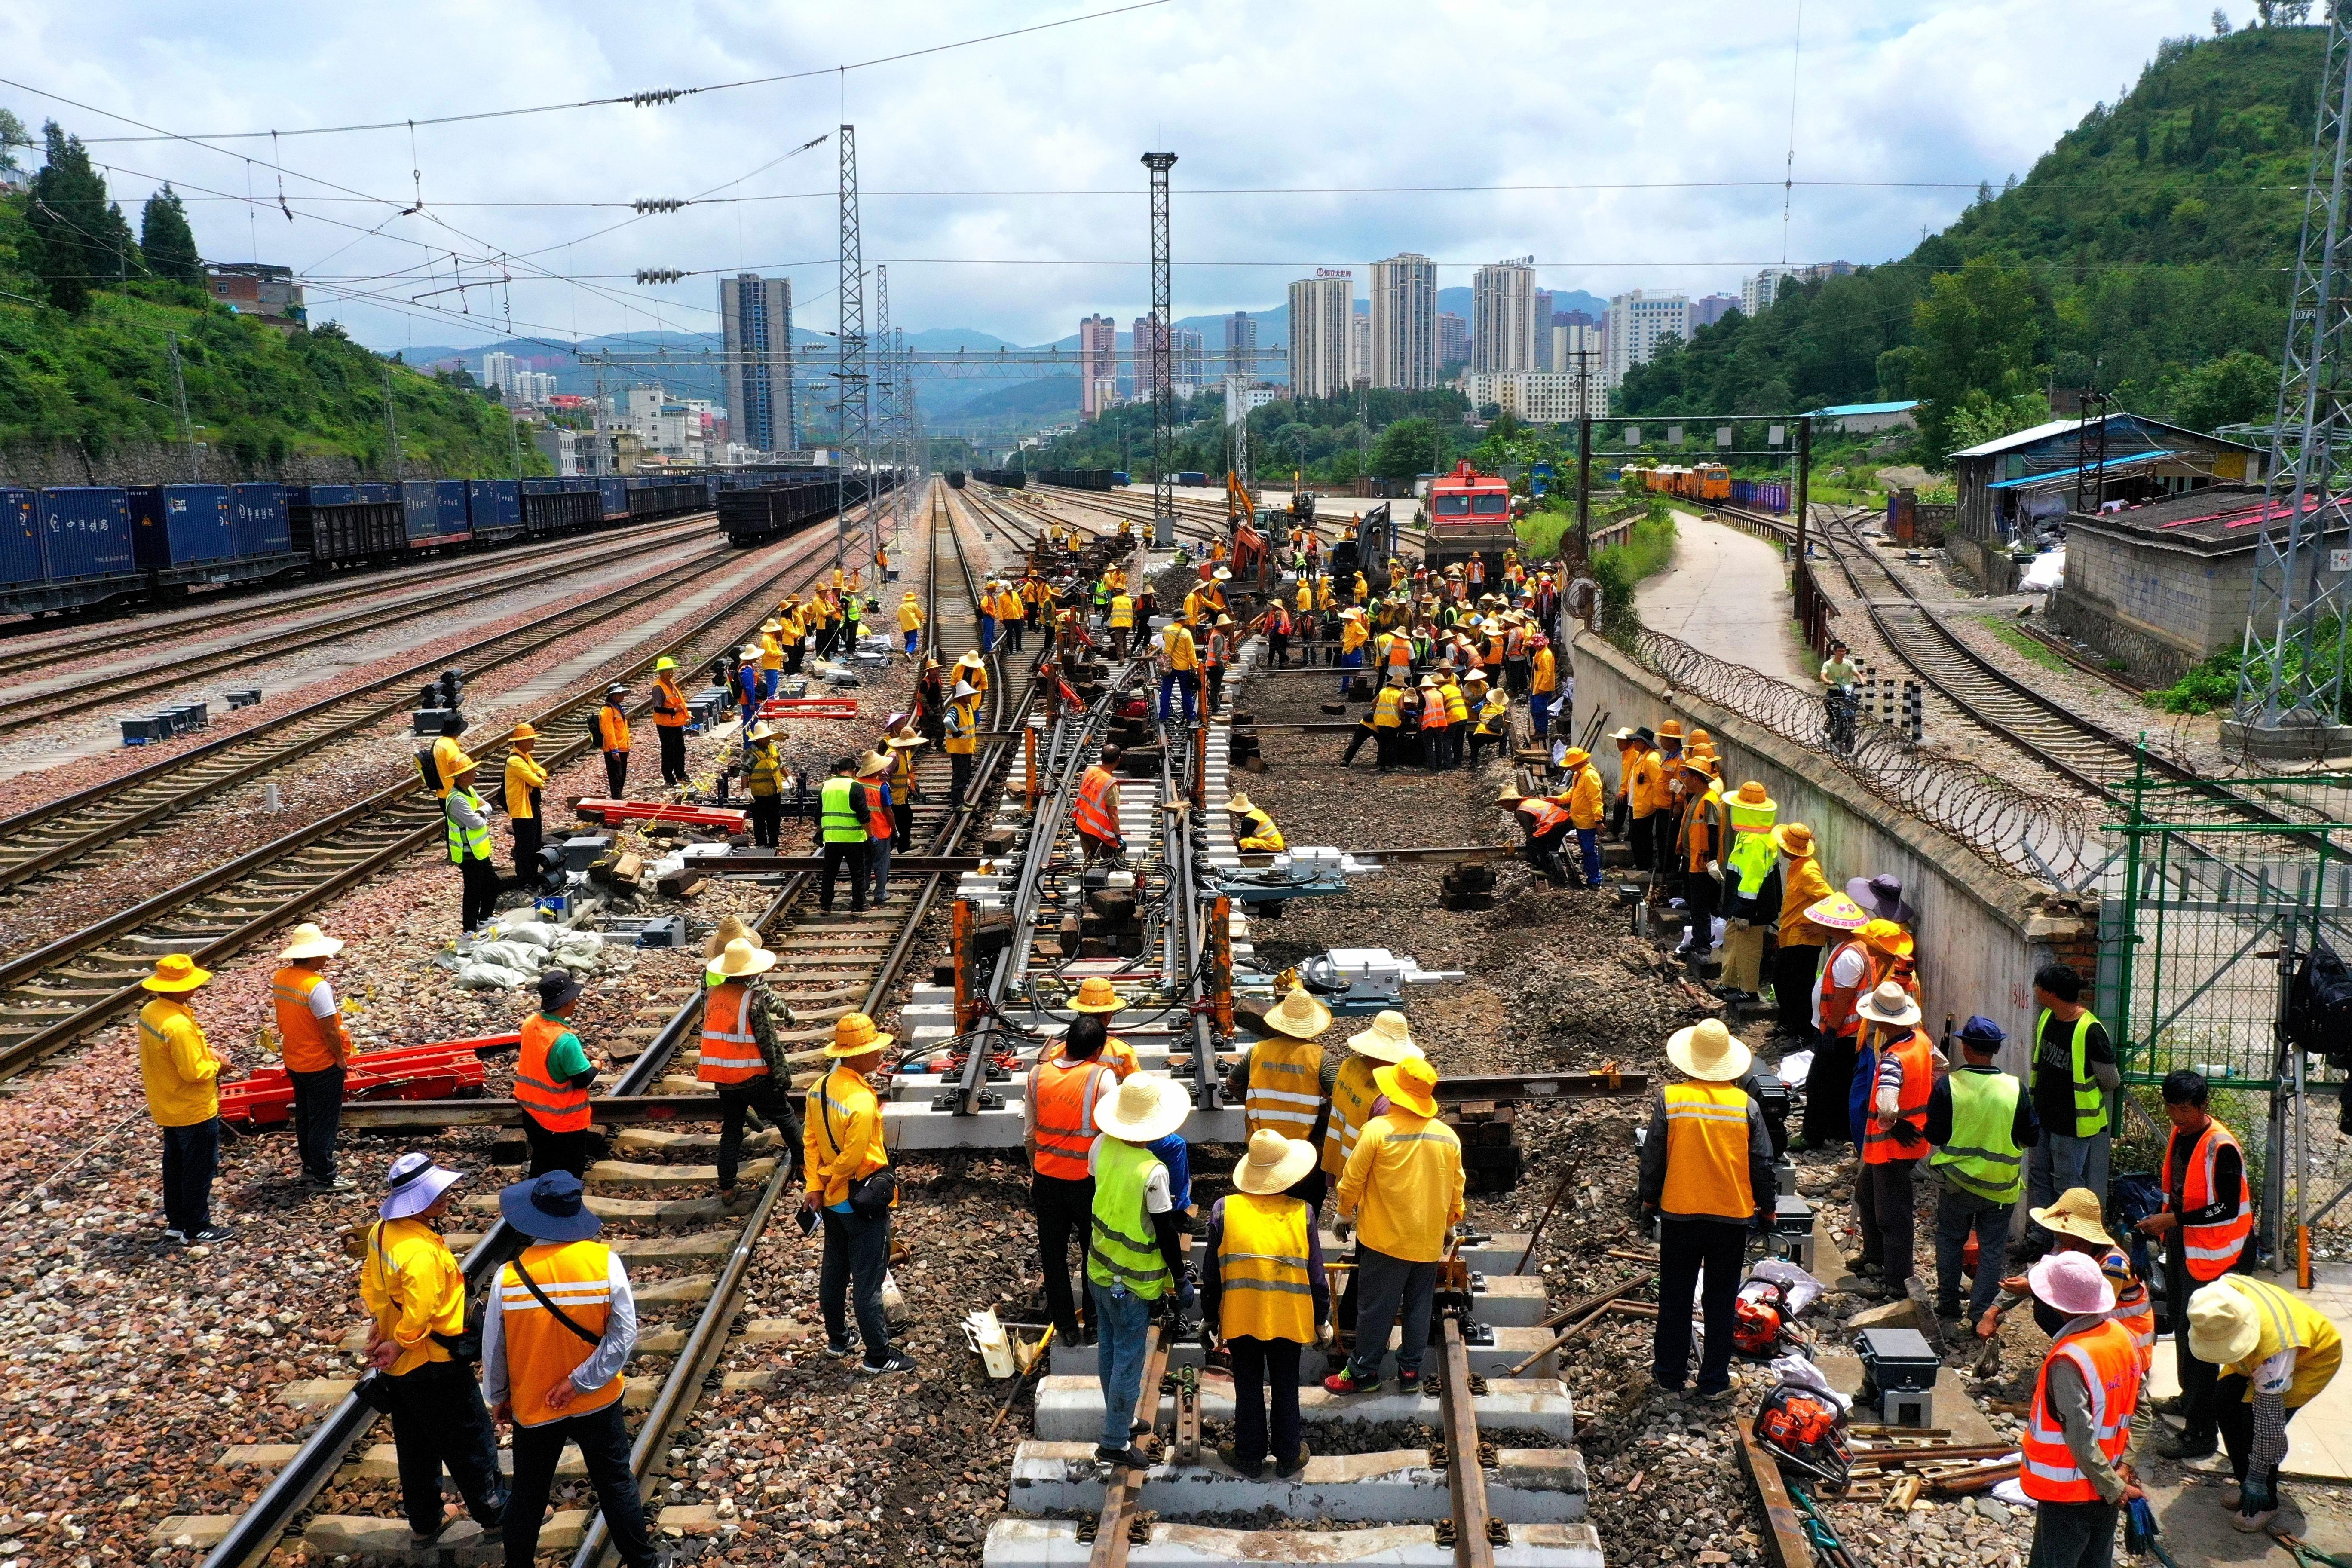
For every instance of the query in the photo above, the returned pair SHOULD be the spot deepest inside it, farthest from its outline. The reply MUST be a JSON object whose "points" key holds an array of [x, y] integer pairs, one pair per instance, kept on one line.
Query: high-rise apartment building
{"points": [[1503, 316], [1638, 323], [1146, 337], [1359, 348], [1320, 309], [1188, 363], [1709, 309], [1543, 330], [1576, 350], [1405, 321], [1452, 341], [755, 317], [1241, 345], [1757, 293], [1097, 365], [1535, 396], [499, 372]]}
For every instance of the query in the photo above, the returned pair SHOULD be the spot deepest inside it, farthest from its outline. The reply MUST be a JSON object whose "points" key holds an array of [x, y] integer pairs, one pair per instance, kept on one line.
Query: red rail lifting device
{"points": [[443, 1069], [809, 707], [727, 819]]}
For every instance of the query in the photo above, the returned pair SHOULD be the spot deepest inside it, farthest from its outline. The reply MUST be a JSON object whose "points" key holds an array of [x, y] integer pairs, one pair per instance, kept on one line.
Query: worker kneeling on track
{"points": [[1265, 1294], [2276, 1355], [1403, 1182], [742, 1058]]}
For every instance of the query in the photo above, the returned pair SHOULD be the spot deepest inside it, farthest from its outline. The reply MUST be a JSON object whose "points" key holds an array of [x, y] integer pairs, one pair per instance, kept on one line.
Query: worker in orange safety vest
{"points": [[316, 1047], [613, 738], [1094, 814]]}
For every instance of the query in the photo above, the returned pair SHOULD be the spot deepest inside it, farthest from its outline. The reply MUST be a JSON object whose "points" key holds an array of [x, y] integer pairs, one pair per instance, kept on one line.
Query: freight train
{"points": [[778, 509], [1003, 478], [77, 547], [1077, 479]]}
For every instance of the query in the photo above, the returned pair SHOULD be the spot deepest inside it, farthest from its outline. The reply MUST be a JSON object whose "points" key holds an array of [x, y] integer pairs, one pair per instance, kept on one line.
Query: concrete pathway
{"points": [[1725, 594]]}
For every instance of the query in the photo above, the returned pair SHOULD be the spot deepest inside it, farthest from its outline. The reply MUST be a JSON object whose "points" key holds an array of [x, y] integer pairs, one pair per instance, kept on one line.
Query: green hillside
{"points": [[87, 316], [2148, 254]]}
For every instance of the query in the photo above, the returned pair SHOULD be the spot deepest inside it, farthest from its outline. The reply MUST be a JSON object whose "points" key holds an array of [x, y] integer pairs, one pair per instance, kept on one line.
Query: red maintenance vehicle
{"points": [[1469, 514]]}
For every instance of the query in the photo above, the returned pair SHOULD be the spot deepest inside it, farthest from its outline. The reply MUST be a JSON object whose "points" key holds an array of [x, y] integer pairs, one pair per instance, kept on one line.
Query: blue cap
{"points": [[1981, 1031]]}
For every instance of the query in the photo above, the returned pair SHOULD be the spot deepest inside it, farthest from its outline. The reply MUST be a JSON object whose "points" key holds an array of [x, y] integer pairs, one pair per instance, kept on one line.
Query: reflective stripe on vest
{"points": [[837, 802], [1267, 1292], [2090, 1100], [557, 1107], [2210, 1250], [1706, 1152], [1065, 1094], [1284, 1087], [1879, 1144], [541, 1352], [730, 1051], [1751, 844], [1121, 1249], [1096, 811], [2110, 1362], [311, 1043], [1353, 1094], [467, 843], [1838, 1002], [1981, 1155]]}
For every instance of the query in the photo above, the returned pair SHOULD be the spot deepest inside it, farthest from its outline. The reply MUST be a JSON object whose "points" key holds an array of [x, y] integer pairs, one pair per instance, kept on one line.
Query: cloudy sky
{"points": [[1001, 179]]}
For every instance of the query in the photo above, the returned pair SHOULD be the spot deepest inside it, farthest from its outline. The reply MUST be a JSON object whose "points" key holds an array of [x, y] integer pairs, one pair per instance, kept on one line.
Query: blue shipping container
{"points": [[420, 500], [179, 525], [377, 493], [494, 504], [544, 487], [85, 532], [333, 495], [257, 522], [20, 538], [452, 494], [616, 497]]}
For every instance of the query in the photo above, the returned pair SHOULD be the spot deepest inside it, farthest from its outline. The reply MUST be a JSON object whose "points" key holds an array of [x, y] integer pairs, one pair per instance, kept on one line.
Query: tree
{"points": [[2236, 389], [2220, 23], [1979, 332], [1410, 447], [13, 135], [79, 238], [167, 242]]}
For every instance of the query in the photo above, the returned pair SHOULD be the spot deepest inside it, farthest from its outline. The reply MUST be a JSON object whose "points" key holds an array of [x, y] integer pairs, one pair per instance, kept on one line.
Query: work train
{"points": [[1700, 482], [755, 515], [1469, 514], [74, 546]]}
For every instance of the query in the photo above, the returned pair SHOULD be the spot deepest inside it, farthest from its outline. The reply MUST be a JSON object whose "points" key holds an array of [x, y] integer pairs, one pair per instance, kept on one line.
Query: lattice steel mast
{"points": [[856, 415], [2291, 680], [885, 391], [1163, 373]]}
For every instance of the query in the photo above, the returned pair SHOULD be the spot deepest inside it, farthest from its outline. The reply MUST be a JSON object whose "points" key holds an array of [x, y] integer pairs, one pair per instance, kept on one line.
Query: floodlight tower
{"points": [[856, 416]]}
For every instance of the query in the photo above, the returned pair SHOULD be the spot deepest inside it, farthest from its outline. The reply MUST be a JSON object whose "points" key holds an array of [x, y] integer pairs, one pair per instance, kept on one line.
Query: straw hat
{"points": [[307, 940], [2074, 1213], [1702, 763], [1273, 1163], [174, 973], [1888, 937], [1408, 1083], [1837, 912], [772, 627], [1508, 795], [748, 652], [1238, 804], [522, 734], [1428, 682], [2225, 1327], [1708, 1052], [461, 764], [760, 730], [1794, 839], [906, 742], [2073, 1283], [971, 659], [1389, 1039], [1148, 1107], [964, 689], [854, 1034], [872, 763], [741, 959], [730, 929], [1672, 730], [1752, 793], [1890, 1004], [1299, 1016], [1575, 757], [1096, 996], [1623, 734]]}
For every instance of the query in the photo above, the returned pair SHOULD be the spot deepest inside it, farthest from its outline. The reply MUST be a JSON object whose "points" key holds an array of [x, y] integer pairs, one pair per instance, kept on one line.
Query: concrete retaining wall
{"points": [[1981, 933], [1984, 562]]}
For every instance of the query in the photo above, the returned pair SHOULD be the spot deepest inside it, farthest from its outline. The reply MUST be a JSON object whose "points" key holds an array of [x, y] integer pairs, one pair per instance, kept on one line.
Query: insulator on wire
{"points": [[659, 275], [656, 204], [655, 97]]}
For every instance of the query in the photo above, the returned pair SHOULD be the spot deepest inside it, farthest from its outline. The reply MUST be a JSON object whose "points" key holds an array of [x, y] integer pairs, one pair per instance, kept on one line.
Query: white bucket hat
{"points": [[415, 1181]]}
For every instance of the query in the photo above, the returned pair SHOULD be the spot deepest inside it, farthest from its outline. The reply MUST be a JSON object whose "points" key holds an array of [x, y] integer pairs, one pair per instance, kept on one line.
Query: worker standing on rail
{"points": [[881, 824], [669, 721], [1069, 1087], [466, 816], [1706, 1178], [181, 1073], [1095, 812], [414, 1293], [525, 781], [2207, 1226], [911, 623], [852, 1191], [1402, 1191], [741, 1060], [1135, 1254], [1894, 1137], [1180, 670], [962, 742], [841, 829], [2275, 1356], [1265, 1293], [2080, 1422], [316, 1048], [612, 737], [763, 777], [553, 1073], [1979, 1122], [556, 1332]]}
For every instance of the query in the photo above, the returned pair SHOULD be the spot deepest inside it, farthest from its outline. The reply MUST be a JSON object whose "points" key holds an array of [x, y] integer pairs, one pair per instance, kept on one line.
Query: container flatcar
{"points": [[494, 510]]}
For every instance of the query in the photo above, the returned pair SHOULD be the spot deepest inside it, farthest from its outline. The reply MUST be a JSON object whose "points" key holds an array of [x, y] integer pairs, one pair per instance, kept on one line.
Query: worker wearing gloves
{"points": [[852, 1190], [613, 738], [741, 1057], [2207, 1227], [1253, 828], [2080, 1421], [553, 1073], [559, 1328], [911, 623], [1979, 1122], [669, 721], [316, 1048], [1403, 1189], [1707, 1176], [181, 1073], [842, 827], [764, 777], [1070, 1087], [2074, 1220], [465, 815], [1353, 1091], [1353, 635], [414, 1293], [1135, 1257], [1894, 1137], [525, 781], [1264, 1291], [2276, 1354]]}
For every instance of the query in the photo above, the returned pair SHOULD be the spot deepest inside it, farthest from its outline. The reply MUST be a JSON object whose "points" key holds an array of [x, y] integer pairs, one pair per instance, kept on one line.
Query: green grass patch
{"points": [[2034, 650], [1649, 546], [1541, 532]]}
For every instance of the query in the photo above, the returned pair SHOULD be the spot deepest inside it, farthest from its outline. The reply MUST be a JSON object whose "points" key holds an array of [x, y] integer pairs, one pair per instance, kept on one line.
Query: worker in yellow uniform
{"points": [[1012, 615], [414, 1294], [1353, 635], [612, 737], [1281, 1082], [852, 1190], [1402, 1191], [559, 1326], [973, 669], [1253, 829], [1264, 1293], [962, 740], [911, 623], [525, 781], [1388, 720], [792, 632], [669, 721], [181, 1073], [772, 657], [1584, 809], [1180, 670], [1646, 797], [315, 1048], [1353, 1089], [764, 777], [2276, 1354], [1543, 686], [1707, 1176], [1122, 622], [1457, 718], [446, 753]]}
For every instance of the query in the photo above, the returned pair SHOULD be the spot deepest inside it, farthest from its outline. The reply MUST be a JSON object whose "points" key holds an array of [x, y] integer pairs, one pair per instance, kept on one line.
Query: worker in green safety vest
{"points": [[467, 815], [1135, 1254], [2075, 1071], [1751, 886], [1980, 1123], [841, 826]]}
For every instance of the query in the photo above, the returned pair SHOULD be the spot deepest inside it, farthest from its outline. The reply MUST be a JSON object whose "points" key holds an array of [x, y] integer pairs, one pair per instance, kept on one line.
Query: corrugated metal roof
{"points": [[1845, 408], [2027, 438], [2130, 460]]}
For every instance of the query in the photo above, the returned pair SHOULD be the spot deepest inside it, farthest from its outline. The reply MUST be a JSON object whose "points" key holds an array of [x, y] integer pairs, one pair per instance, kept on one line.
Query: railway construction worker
{"points": [[2276, 1354], [746, 690], [987, 606], [1492, 717], [841, 829], [1432, 723], [447, 752], [911, 623], [181, 1073], [315, 1048], [2073, 1221], [881, 823], [1543, 684], [1216, 653], [772, 657], [901, 742], [1457, 718], [794, 620], [1850, 969], [1264, 1292], [1979, 1123], [851, 611], [612, 737], [973, 669], [962, 740], [2074, 1073], [852, 1190], [1698, 852], [1067, 1090], [525, 782], [763, 776], [1353, 1087], [2080, 1422], [1893, 1136], [1283, 1082], [1012, 615], [1635, 774], [1135, 1254], [414, 1293], [1798, 943], [1353, 635], [1122, 622], [1545, 822], [2207, 1226], [556, 1333], [1750, 868], [1253, 829], [553, 1073], [669, 721], [1180, 670], [1402, 1191], [1389, 720], [466, 817], [1707, 1175], [741, 1060], [1095, 812]]}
